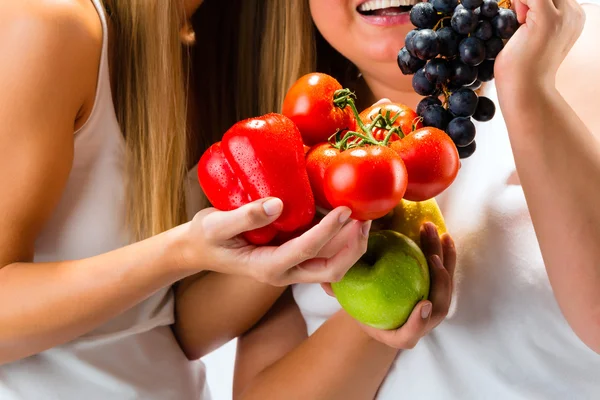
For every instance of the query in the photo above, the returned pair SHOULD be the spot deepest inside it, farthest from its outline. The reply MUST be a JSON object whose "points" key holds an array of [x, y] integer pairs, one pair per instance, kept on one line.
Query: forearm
{"points": [[47, 304], [339, 361], [558, 161], [214, 308]]}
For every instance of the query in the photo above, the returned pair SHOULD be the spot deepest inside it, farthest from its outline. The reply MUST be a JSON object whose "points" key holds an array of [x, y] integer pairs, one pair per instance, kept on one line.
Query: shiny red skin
{"points": [[370, 180], [431, 161], [408, 117], [309, 103], [317, 160], [257, 158]]}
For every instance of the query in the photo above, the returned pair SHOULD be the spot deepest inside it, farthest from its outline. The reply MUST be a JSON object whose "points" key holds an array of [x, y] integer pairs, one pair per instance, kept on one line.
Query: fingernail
{"points": [[431, 230], [273, 207], [425, 311], [365, 228], [344, 216]]}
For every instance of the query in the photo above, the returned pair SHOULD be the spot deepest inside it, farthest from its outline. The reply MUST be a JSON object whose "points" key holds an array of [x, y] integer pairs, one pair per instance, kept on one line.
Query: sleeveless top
{"points": [[134, 355], [505, 337]]}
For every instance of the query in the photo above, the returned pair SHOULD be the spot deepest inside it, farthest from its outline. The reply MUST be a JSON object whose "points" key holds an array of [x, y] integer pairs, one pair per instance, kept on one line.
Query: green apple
{"points": [[384, 286], [408, 217]]}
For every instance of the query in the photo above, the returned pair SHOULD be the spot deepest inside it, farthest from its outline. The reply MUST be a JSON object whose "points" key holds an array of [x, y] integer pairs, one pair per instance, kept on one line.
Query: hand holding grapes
{"points": [[534, 54]]}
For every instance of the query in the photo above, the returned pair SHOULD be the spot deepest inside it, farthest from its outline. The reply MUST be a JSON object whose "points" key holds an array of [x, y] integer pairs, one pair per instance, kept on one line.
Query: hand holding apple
{"points": [[426, 314]]}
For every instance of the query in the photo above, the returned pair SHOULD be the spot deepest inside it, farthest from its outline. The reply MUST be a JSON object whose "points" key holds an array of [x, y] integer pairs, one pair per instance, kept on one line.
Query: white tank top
{"points": [[134, 355], [505, 337]]}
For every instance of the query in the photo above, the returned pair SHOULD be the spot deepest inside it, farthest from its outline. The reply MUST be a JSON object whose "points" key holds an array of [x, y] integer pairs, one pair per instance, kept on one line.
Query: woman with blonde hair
{"points": [[93, 163]]}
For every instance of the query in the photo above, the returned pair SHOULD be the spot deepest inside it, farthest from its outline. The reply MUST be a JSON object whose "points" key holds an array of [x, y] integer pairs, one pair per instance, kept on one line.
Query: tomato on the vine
{"points": [[317, 160], [402, 116], [370, 180], [309, 103], [431, 160]]}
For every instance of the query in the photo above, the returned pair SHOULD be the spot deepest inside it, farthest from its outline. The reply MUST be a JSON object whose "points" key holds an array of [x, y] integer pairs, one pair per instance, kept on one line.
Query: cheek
{"points": [[333, 19]]}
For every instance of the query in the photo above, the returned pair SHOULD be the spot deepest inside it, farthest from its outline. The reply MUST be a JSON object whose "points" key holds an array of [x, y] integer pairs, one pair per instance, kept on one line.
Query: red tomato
{"points": [[431, 161], [317, 160], [309, 103], [405, 120], [370, 180]]}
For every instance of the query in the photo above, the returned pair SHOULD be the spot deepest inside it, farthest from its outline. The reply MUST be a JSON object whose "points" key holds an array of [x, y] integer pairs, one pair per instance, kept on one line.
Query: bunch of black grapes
{"points": [[451, 53]]}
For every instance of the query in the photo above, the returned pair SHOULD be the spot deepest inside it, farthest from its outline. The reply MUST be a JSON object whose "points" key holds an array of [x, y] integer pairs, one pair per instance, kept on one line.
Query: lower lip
{"points": [[387, 20]]}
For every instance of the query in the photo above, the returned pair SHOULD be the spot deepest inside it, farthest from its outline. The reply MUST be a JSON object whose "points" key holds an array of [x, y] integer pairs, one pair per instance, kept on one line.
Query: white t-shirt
{"points": [[134, 355], [505, 337]]}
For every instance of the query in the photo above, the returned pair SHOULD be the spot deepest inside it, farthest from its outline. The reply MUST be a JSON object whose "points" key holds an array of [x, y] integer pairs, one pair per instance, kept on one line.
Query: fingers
{"points": [[219, 226], [310, 243], [430, 241], [440, 293], [449, 251], [318, 270], [327, 288], [408, 335], [340, 240]]}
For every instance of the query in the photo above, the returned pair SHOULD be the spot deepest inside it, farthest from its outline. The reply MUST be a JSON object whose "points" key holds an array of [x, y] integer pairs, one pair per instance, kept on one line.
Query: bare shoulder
{"points": [[576, 77], [60, 40]]}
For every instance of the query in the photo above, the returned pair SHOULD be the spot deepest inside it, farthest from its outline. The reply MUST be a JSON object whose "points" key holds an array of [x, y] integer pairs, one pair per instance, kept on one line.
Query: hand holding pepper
{"points": [[213, 241]]}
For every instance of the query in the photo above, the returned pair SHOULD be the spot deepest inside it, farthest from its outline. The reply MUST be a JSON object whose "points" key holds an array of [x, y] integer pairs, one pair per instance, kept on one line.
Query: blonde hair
{"points": [[242, 67], [150, 103]]}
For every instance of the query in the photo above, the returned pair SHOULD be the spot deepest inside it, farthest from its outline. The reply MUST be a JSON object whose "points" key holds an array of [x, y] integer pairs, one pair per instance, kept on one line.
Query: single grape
{"points": [[477, 12], [425, 43], [436, 116], [476, 85], [462, 74], [472, 50], [484, 30], [449, 41], [471, 4], [437, 71], [493, 47], [408, 42], [423, 15], [462, 103], [486, 71], [485, 111], [489, 8], [505, 23], [462, 131], [464, 21], [407, 63], [467, 151], [427, 101], [422, 85], [444, 6]]}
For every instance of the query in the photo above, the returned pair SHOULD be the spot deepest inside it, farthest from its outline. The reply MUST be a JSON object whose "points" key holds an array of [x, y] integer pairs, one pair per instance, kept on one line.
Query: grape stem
{"points": [[440, 22], [505, 4]]}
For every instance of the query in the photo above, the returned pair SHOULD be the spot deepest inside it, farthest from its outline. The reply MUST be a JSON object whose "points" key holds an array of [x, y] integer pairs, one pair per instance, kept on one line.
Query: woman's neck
{"points": [[369, 90]]}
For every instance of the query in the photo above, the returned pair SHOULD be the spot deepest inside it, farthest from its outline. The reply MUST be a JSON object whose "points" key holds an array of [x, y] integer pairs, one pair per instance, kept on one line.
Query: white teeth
{"points": [[372, 5]]}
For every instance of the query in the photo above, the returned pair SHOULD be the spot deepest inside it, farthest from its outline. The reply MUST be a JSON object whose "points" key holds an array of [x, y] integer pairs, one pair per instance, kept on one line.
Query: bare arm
{"points": [[555, 134], [339, 361], [213, 308]]}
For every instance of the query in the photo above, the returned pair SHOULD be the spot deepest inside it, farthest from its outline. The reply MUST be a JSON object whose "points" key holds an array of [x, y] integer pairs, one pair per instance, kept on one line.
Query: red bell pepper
{"points": [[257, 158]]}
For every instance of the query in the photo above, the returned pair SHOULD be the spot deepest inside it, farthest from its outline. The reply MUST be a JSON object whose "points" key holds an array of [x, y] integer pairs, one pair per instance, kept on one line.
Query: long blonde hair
{"points": [[150, 102], [246, 56]]}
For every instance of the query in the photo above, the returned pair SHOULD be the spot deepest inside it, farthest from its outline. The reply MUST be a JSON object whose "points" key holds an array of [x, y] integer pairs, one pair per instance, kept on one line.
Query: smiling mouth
{"points": [[384, 8]]}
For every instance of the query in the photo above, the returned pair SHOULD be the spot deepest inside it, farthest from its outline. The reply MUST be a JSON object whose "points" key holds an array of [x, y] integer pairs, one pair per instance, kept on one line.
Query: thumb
{"points": [[228, 224]]}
